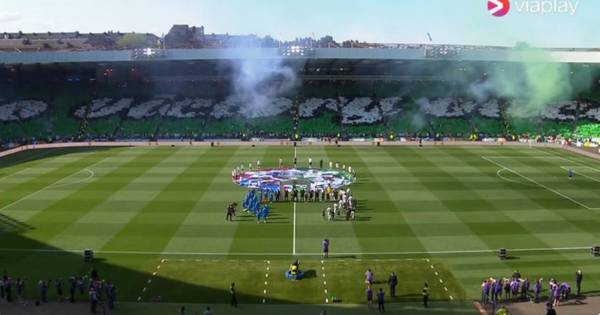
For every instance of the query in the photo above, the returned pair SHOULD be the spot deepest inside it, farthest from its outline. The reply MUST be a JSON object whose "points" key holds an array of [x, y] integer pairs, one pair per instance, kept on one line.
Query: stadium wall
{"points": [[281, 142]]}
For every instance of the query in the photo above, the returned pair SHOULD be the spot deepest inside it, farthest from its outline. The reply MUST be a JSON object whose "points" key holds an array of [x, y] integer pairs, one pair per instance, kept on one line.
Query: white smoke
{"points": [[257, 83], [417, 120], [482, 90]]}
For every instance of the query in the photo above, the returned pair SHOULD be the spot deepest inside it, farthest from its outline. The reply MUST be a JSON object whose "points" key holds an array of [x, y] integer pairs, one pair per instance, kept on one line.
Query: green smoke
{"points": [[532, 83]]}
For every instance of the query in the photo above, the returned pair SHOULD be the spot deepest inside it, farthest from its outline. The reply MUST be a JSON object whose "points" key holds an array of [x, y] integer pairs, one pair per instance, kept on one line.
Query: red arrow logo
{"points": [[498, 7]]}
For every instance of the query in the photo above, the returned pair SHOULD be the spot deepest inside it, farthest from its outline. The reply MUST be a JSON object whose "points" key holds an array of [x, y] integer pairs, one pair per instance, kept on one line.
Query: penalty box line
{"points": [[578, 163], [341, 254], [539, 184], [576, 172], [569, 160]]}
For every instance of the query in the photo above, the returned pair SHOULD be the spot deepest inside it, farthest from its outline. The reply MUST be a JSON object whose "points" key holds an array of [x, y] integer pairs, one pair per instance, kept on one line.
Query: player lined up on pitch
{"points": [[266, 186], [331, 164], [253, 203], [343, 201], [296, 184], [299, 193], [257, 204]]}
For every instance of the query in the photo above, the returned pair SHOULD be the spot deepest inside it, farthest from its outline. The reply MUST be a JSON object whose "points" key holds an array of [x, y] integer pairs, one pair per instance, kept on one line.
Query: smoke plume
{"points": [[257, 82], [530, 84]]}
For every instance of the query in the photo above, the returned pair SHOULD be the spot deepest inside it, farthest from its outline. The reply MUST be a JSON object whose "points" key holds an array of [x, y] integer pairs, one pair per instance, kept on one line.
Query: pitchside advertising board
{"points": [[500, 8]]}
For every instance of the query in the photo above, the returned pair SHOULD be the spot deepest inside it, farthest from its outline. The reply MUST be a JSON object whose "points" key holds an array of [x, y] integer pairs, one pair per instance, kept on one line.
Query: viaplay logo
{"points": [[498, 7]]}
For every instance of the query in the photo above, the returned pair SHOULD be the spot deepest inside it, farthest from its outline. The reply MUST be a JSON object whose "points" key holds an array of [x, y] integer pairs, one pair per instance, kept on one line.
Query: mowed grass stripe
{"points": [[74, 169], [60, 215], [531, 224], [435, 225], [276, 235], [381, 231], [97, 227], [584, 219], [53, 170], [204, 228], [29, 158], [548, 186], [19, 163], [40, 200], [434, 233], [552, 179], [521, 233], [50, 222], [552, 173], [163, 216], [514, 234], [450, 230], [311, 226], [437, 204], [587, 230], [568, 155]]}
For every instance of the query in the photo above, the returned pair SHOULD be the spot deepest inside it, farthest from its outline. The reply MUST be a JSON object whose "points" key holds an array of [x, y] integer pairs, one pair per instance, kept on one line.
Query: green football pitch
{"points": [[155, 217]]}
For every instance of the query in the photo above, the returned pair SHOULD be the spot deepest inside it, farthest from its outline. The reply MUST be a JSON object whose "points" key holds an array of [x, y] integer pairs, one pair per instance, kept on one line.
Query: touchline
{"points": [[547, 6]]}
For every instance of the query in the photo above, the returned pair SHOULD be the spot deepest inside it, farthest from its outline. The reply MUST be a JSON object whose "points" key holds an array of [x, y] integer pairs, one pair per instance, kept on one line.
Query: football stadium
{"points": [[203, 173]]}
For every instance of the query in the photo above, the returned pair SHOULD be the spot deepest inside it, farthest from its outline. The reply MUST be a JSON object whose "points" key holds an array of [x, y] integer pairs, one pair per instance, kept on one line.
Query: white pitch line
{"points": [[324, 282], [27, 160], [444, 252], [294, 233], [90, 175], [38, 191], [567, 159], [56, 184], [268, 263], [439, 278], [149, 281], [535, 182], [572, 161], [508, 179], [13, 173], [594, 169], [576, 172]]}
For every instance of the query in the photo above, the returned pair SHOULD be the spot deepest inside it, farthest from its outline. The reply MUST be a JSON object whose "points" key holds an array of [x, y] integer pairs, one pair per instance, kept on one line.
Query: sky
{"points": [[381, 21]]}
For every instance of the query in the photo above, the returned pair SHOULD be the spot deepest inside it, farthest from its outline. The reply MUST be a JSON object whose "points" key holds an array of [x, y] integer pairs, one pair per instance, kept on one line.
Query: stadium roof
{"points": [[427, 53]]}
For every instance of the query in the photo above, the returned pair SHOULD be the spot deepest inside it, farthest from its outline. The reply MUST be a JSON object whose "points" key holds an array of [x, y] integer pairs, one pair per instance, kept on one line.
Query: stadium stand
{"points": [[188, 93], [79, 113]]}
